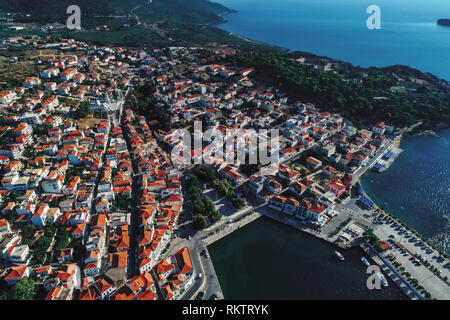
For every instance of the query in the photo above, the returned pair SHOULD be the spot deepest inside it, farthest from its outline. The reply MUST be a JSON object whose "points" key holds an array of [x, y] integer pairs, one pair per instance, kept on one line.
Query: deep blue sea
{"points": [[416, 188], [409, 34], [269, 260]]}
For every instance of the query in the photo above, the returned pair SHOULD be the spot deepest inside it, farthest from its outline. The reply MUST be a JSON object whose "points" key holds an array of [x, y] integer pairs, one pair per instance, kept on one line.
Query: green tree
{"points": [[84, 109], [24, 289], [200, 221]]}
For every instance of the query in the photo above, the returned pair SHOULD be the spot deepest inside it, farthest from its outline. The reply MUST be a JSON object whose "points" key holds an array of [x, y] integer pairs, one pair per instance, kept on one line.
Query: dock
{"points": [[225, 230]]}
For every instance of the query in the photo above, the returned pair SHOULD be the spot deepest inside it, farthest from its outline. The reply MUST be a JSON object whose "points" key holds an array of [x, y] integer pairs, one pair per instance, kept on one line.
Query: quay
{"points": [[391, 272]]}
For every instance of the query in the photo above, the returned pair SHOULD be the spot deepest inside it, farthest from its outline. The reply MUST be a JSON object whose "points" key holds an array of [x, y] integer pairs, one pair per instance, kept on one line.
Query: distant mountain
{"points": [[183, 11], [132, 23], [179, 11]]}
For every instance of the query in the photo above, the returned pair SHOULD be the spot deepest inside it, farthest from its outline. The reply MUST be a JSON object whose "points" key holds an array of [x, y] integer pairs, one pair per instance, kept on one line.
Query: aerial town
{"points": [[93, 207]]}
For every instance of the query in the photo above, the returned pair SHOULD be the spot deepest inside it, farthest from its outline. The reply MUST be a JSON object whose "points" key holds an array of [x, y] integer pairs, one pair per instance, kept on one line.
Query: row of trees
{"points": [[223, 187], [122, 202], [204, 207], [41, 246], [372, 238]]}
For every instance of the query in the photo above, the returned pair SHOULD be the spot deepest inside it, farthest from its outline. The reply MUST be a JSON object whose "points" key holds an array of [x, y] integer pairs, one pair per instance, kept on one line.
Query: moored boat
{"points": [[382, 279], [364, 260], [339, 255]]}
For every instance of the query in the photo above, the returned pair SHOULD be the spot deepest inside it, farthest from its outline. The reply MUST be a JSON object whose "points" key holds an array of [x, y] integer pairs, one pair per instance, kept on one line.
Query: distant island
{"points": [[444, 22]]}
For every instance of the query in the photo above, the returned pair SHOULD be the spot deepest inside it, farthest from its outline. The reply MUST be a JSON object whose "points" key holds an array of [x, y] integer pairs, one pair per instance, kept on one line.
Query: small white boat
{"points": [[364, 260], [382, 279], [339, 255]]}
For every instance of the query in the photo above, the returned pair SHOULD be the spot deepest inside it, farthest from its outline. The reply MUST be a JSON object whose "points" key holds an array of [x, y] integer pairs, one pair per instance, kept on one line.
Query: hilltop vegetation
{"points": [[132, 23], [187, 12], [181, 11], [362, 95]]}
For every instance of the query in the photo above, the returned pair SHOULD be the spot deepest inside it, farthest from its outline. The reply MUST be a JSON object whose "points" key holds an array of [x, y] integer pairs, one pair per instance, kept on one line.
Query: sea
{"points": [[409, 34], [268, 260], [416, 187]]}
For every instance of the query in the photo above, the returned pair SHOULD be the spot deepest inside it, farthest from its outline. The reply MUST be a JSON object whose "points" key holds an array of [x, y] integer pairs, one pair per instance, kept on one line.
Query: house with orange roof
{"points": [[173, 199], [16, 273], [289, 174], [183, 260], [43, 271], [317, 214], [277, 203], [118, 260], [92, 268], [273, 186], [167, 292], [68, 74], [104, 288], [313, 162], [103, 205], [297, 188], [337, 187], [124, 293], [146, 264], [141, 283], [79, 230], [7, 97], [65, 255], [60, 293], [291, 206], [4, 227], [39, 218]]}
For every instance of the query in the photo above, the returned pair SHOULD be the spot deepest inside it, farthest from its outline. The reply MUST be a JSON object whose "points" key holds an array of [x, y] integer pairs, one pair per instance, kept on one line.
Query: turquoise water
{"points": [[416, 188], [409, 34], [269, 260]]}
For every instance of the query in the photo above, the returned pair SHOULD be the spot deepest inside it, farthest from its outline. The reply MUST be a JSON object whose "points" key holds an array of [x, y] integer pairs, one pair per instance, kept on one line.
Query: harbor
{"points": [[307, 267], [345, 231]]}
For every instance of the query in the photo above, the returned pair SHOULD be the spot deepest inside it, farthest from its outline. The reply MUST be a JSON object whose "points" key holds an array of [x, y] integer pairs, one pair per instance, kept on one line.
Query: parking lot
{"points": [[422, 262]]}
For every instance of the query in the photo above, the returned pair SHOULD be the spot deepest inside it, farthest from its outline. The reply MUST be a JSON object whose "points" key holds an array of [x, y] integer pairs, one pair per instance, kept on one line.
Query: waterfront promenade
{"points": [[349, 212]]}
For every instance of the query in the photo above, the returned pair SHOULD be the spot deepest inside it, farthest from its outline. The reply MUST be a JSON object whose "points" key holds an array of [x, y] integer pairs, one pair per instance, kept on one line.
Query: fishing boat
{"points": [[382, 279], [339, 255], [364, 260]]}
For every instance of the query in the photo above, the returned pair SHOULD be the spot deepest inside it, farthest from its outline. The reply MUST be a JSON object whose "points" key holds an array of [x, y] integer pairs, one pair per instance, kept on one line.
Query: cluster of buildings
{"points": [[221, 97], [92, 176], [78, 174]]}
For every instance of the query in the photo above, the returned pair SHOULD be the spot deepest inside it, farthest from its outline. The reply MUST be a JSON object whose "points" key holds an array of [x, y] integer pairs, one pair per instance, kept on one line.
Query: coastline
{"points": [[396, 147], [446, 82], [334, 237], [395, 215]]}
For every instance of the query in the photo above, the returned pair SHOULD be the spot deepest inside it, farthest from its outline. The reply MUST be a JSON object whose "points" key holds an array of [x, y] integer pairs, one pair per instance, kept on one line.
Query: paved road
{"points": [[134, 227], [358, 173]]}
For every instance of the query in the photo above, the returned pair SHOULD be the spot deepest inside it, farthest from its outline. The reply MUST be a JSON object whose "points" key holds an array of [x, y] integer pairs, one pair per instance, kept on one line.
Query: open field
{"points": [[88, 122]]}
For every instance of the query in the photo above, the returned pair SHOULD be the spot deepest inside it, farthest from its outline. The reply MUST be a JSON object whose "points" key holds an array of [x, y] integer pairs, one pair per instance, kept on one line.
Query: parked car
{"points": [[200, 295], [213, 297]]}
